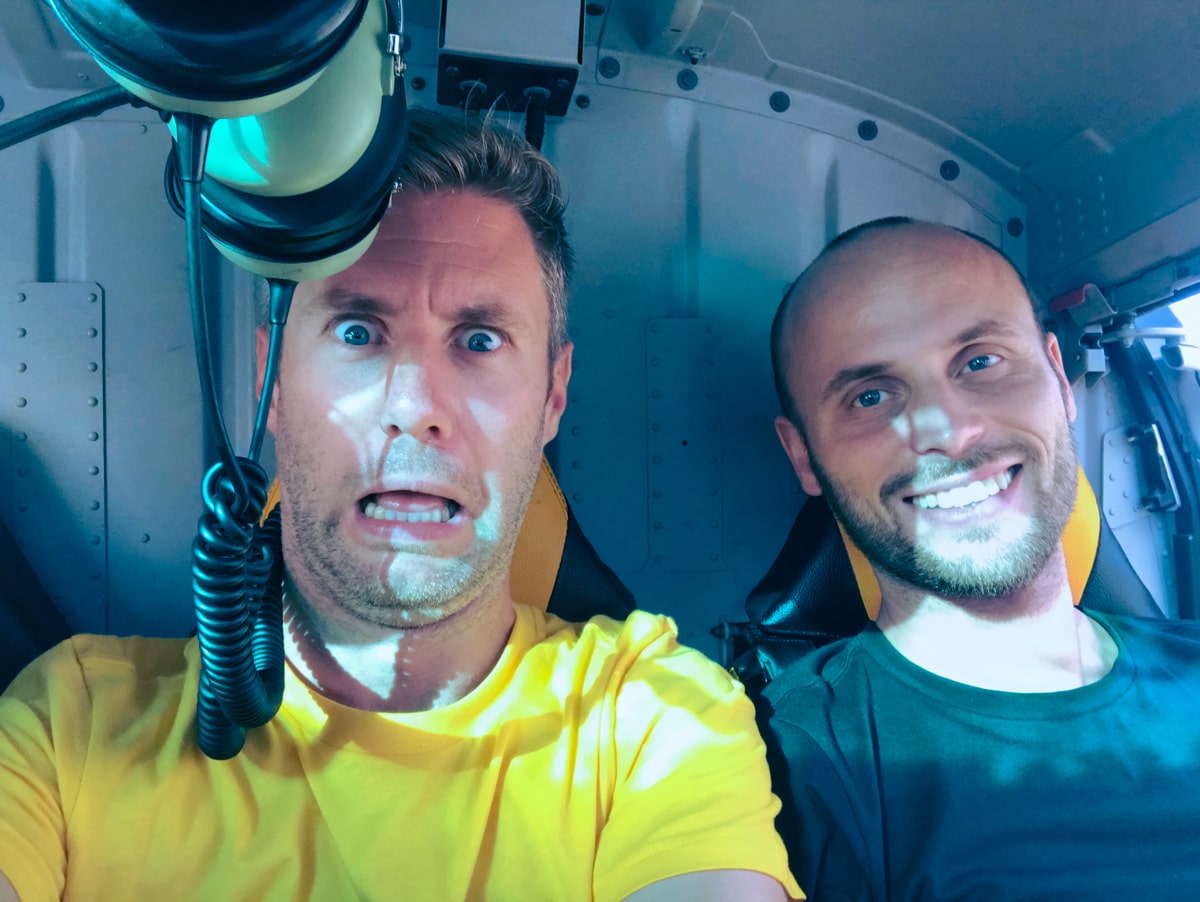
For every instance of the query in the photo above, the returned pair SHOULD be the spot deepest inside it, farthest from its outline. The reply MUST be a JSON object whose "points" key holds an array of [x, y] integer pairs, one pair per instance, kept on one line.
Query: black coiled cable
{"points": [[237, 577]]}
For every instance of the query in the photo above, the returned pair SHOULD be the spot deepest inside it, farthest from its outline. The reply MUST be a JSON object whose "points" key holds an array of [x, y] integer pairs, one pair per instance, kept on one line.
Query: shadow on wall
{"points": [[29, 621]]}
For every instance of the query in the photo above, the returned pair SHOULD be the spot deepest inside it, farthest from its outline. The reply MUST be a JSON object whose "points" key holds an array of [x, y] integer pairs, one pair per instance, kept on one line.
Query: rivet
{"points": [[780, 101], [142, 129], [713, 556], [21, 402], [20, 297], [609, 67], [657, 524], [712, 492], [22, 436], [712, 524], [687, 79], [20, 333], [657, 493], [658, 558], [576, 465], [654, 327], [93, 297], [92, 402], [451, 71], [949, 170], [92, 367], [144, 538], [21, 367], [92, 333], [574, 430], [94, 540], [609, 313], [93, 436], [576, 497], [655, 427], [418, 83], [95, 505], [1016, 227], [583, 101], [868, 130], [94, 470], [95, 574]]}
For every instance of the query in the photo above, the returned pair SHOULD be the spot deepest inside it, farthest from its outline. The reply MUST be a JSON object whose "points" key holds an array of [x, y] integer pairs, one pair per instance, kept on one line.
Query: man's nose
{"points": [[945, 423], [413, 403]]}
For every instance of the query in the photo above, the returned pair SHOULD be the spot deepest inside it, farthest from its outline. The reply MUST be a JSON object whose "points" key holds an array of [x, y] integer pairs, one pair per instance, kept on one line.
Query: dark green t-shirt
{"points": [[899, 784]]}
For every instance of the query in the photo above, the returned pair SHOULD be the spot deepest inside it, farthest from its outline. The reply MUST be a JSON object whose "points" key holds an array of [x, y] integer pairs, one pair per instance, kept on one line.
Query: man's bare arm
{"points": [[713, 886]]}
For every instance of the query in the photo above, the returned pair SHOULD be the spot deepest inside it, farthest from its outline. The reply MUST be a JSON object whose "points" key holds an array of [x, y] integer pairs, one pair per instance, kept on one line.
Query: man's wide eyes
{"points": [[480, 340], [353, 333]]}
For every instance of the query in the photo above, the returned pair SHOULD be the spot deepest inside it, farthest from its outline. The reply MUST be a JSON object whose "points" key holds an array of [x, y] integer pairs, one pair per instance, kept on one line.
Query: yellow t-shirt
{"points": [[595, 758]]}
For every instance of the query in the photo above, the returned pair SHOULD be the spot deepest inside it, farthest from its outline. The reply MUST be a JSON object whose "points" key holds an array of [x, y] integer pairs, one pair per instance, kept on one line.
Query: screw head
{"points": [[610, 67], [687, 79], [868, 130], [583, 101], [418, 84], [780, 101], [949, 170], [1016, 227]]}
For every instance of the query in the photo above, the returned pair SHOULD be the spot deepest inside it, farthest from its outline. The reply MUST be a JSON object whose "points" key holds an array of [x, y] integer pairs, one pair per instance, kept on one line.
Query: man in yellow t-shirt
{"points": [[437, 739]]}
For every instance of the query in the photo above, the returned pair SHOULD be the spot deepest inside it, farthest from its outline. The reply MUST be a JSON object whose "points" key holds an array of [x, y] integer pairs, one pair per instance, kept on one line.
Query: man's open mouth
{"points": [[409, 507], [965, 495]]}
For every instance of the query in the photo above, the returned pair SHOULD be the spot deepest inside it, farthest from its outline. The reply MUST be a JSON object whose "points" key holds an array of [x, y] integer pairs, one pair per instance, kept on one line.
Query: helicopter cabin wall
{"points": [[692, 204]]}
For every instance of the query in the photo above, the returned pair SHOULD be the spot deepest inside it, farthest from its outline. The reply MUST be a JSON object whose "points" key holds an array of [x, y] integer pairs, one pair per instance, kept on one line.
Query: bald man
{"points": [[984, 738]]}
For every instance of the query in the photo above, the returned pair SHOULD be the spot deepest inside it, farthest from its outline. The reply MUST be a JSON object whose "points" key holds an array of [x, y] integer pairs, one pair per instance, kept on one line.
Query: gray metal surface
{"points": [[52, 407]]}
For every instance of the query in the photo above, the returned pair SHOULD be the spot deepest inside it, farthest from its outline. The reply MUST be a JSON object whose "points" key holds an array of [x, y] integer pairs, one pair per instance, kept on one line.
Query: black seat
{"points": [[29, 621]]}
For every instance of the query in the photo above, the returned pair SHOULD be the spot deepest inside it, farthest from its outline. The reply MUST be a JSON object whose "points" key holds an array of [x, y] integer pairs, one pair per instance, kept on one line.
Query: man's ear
{"points": [[797, 451], [1054, 355], [556, 397], [262, 338]]}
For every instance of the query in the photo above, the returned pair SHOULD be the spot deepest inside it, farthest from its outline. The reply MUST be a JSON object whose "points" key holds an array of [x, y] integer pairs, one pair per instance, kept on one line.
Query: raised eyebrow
{"points": [[496, 316], [849, 376], [341, 301]]}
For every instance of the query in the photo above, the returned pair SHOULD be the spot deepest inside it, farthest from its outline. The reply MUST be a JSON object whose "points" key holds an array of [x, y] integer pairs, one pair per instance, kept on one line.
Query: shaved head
{"points": [[814, 284]]}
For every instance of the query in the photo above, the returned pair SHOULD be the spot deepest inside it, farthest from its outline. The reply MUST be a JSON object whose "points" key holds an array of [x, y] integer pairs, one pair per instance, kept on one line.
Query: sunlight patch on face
{"points": [[347, 413], [487, 526]]}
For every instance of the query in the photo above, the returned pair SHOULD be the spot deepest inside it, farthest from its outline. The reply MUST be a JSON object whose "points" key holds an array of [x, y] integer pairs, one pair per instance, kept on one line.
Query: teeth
{"points": [[376, 512], [965, 494]]}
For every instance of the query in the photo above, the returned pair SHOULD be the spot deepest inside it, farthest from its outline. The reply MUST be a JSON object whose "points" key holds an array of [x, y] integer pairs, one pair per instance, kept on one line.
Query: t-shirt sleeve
{"points": [[825, 845], [692, 789], [36, 763]]}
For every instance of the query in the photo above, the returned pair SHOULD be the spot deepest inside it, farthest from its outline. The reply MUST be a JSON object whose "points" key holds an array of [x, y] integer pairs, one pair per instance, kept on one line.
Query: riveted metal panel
{"points": [[52, 398], [684, 445]]}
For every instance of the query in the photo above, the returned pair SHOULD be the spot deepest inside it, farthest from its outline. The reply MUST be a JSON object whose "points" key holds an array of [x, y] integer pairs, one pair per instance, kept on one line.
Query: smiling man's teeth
{"points": [[378, 512], [965, 494]]}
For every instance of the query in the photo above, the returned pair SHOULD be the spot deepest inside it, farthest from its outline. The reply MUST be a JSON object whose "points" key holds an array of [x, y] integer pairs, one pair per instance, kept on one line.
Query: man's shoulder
{"points": [[813, 682], [95, 659], [644, 647]]}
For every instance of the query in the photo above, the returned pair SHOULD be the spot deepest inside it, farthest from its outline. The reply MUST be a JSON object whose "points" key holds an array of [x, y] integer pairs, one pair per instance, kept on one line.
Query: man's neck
{"points": [[1035, 640], [378, 668]]}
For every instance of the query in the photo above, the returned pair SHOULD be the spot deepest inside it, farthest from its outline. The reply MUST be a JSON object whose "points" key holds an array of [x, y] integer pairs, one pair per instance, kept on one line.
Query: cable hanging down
{"points": [[237, 564]]}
